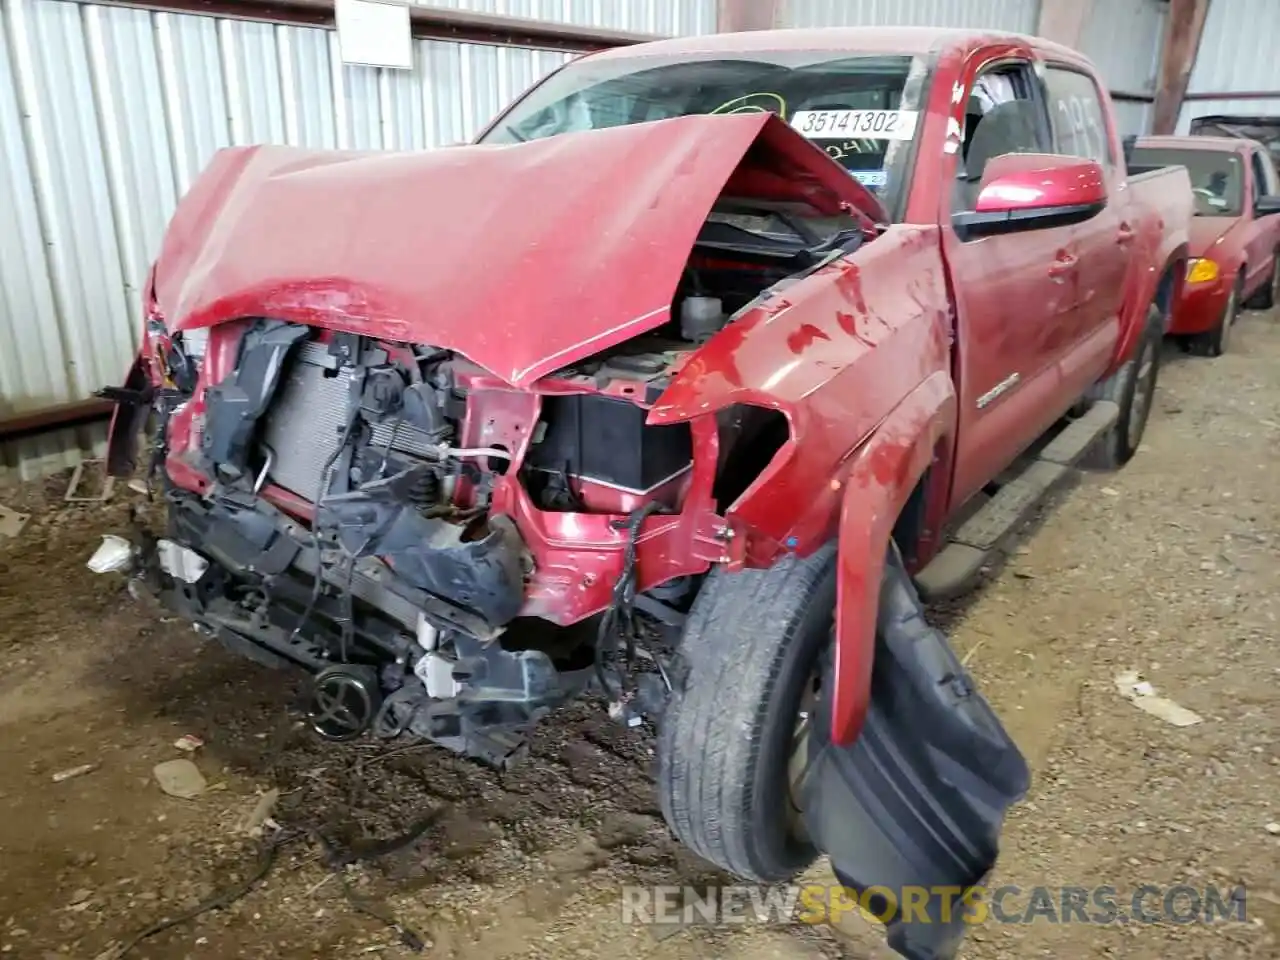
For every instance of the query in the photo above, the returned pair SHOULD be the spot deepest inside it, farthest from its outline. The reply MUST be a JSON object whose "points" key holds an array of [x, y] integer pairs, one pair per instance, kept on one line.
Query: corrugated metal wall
{"points": [[1124, 37], [1237, 53], [1014, 15], [664, 17], [1133, 116], [107, 114]]}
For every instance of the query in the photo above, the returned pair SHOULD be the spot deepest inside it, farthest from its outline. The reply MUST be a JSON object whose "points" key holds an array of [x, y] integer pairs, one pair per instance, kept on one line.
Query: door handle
{"points": [[1063, 266], [1124, 235]]}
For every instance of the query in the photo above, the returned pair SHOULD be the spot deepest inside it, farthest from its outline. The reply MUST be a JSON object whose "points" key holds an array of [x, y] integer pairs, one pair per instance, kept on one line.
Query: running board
{"points": [[959, 564]]}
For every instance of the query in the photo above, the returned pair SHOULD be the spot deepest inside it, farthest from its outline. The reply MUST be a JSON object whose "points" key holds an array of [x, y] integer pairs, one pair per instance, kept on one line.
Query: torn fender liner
{"points": [[919, 799], [380, 519], [521, 257]]}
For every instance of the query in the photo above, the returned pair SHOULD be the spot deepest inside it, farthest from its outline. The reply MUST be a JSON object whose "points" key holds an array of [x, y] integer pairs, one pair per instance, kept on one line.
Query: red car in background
{"points": [[1235, 236]]}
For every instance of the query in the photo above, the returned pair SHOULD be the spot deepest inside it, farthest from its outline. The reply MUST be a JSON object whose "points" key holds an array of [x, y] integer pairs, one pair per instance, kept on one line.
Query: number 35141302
{"points": [[870, 124]]}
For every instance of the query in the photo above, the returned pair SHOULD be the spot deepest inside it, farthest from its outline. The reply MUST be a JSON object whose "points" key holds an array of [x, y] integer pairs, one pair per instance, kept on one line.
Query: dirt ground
{"points": [[1167, 568]]}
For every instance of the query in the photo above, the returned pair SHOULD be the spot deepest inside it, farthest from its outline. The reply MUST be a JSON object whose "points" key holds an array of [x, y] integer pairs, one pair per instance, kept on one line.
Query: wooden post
{"points": [[1181, 42]]}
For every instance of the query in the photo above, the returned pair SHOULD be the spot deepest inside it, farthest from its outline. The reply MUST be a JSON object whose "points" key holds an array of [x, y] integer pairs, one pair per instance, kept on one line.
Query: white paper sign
{"points": [[861, 124], [374, 34]]}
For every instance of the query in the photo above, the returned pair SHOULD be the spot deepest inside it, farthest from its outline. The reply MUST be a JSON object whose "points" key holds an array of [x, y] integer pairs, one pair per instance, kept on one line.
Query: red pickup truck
{"points": [[665, 389], [1235, 237]]}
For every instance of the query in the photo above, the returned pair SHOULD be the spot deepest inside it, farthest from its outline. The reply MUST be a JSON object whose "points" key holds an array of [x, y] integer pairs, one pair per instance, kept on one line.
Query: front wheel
{"points": [[1213, 343], [750, 656]]}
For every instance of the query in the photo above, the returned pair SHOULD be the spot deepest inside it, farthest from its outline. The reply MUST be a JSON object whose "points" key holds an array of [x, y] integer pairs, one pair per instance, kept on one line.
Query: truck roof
{"points": [[886, 40]]}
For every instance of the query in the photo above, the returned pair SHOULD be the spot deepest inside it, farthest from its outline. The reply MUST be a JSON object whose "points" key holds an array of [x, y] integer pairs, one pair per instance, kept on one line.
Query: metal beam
{"points": [[54, 418], [1063, 21], [735, 15], [1181, 43], [433, 23], [1233, 95]]}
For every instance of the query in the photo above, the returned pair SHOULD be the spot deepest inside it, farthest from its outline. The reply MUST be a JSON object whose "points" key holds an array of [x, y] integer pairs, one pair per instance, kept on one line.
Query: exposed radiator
{"points": [[304, 423]]}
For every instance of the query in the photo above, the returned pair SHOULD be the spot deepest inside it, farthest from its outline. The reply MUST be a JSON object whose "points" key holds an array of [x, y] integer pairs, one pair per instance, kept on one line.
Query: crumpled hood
{"points": [[521, 257]]}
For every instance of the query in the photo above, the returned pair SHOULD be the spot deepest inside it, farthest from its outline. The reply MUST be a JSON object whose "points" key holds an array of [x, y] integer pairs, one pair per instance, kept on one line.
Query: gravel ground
{"points": [[1166, 568]]}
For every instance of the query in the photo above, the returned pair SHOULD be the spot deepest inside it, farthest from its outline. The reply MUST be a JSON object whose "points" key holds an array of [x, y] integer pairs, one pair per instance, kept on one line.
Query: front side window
{"points": [[861, 109], [1217, 177], [1076, 116], [1001, 117]]}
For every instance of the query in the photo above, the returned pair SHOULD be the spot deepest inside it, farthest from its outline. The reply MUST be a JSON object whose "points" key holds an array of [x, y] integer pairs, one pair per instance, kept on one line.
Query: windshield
{"points": [[860, 109], [1217, 177]]}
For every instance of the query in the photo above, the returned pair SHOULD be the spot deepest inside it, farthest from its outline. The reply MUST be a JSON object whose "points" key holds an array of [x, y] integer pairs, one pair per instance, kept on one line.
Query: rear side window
{"points": [[1076, 116]]}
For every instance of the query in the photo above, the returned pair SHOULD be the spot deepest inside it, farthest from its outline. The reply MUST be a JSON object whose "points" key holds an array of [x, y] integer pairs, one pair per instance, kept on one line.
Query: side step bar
{"points": [[958, 565]]}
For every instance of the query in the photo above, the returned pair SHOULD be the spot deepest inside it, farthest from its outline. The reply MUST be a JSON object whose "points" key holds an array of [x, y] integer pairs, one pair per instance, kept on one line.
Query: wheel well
{"points": [[1168, 287], [909, 527]]}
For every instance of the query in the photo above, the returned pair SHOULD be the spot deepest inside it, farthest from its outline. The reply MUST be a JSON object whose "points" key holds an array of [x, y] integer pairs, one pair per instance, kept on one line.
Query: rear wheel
{"points": [[1133, 389], [1213, 343]]}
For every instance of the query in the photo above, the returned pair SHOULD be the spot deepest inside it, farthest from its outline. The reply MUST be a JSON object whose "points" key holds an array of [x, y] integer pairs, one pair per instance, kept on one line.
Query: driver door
{"points": [[1017, 295]]}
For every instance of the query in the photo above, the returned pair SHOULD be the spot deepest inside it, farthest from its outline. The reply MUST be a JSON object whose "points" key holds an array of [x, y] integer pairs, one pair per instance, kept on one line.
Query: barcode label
{"points": [[868, 124]]}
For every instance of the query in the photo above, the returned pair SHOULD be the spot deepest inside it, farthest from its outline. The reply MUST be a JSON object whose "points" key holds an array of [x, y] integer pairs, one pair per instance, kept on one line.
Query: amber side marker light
{"points": [[1202, 271]]}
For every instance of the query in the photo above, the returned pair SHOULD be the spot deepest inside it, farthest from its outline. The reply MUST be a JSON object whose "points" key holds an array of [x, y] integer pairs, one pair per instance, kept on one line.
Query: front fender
{"points": [[882, 475], [1163, 288]]}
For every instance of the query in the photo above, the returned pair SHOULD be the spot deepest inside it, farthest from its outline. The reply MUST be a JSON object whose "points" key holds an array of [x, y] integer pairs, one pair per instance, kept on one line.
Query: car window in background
{"points": [[1076, 116], [861, 109], [1217, 177], [1259, 176], [1271, 183]]}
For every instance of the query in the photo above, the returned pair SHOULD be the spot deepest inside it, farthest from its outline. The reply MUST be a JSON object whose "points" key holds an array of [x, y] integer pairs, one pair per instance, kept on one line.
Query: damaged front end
{"points": [[452, 548], [409, 529]]}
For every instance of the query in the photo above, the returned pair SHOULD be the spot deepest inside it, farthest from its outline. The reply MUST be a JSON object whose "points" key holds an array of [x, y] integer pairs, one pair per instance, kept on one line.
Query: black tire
{"points": [[751, 644], [1213, 343], [1268, 295], [1132, 388]]}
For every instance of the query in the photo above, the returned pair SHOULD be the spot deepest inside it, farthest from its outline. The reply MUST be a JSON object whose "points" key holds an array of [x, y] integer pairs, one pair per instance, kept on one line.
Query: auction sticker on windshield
{"points": [[869, 124]]}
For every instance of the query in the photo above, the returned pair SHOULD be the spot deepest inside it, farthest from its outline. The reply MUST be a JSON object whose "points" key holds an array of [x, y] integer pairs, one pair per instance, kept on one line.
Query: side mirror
{"points": [[1029, 191], [1267, 205]]}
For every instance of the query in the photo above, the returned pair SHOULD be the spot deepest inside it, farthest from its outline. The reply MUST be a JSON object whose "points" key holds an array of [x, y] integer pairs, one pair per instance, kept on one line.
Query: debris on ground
{"points": [[260, 816], [180, 778], [1143, 696], [90, 483], [188, 743], [72, 772], [12, 522]]}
